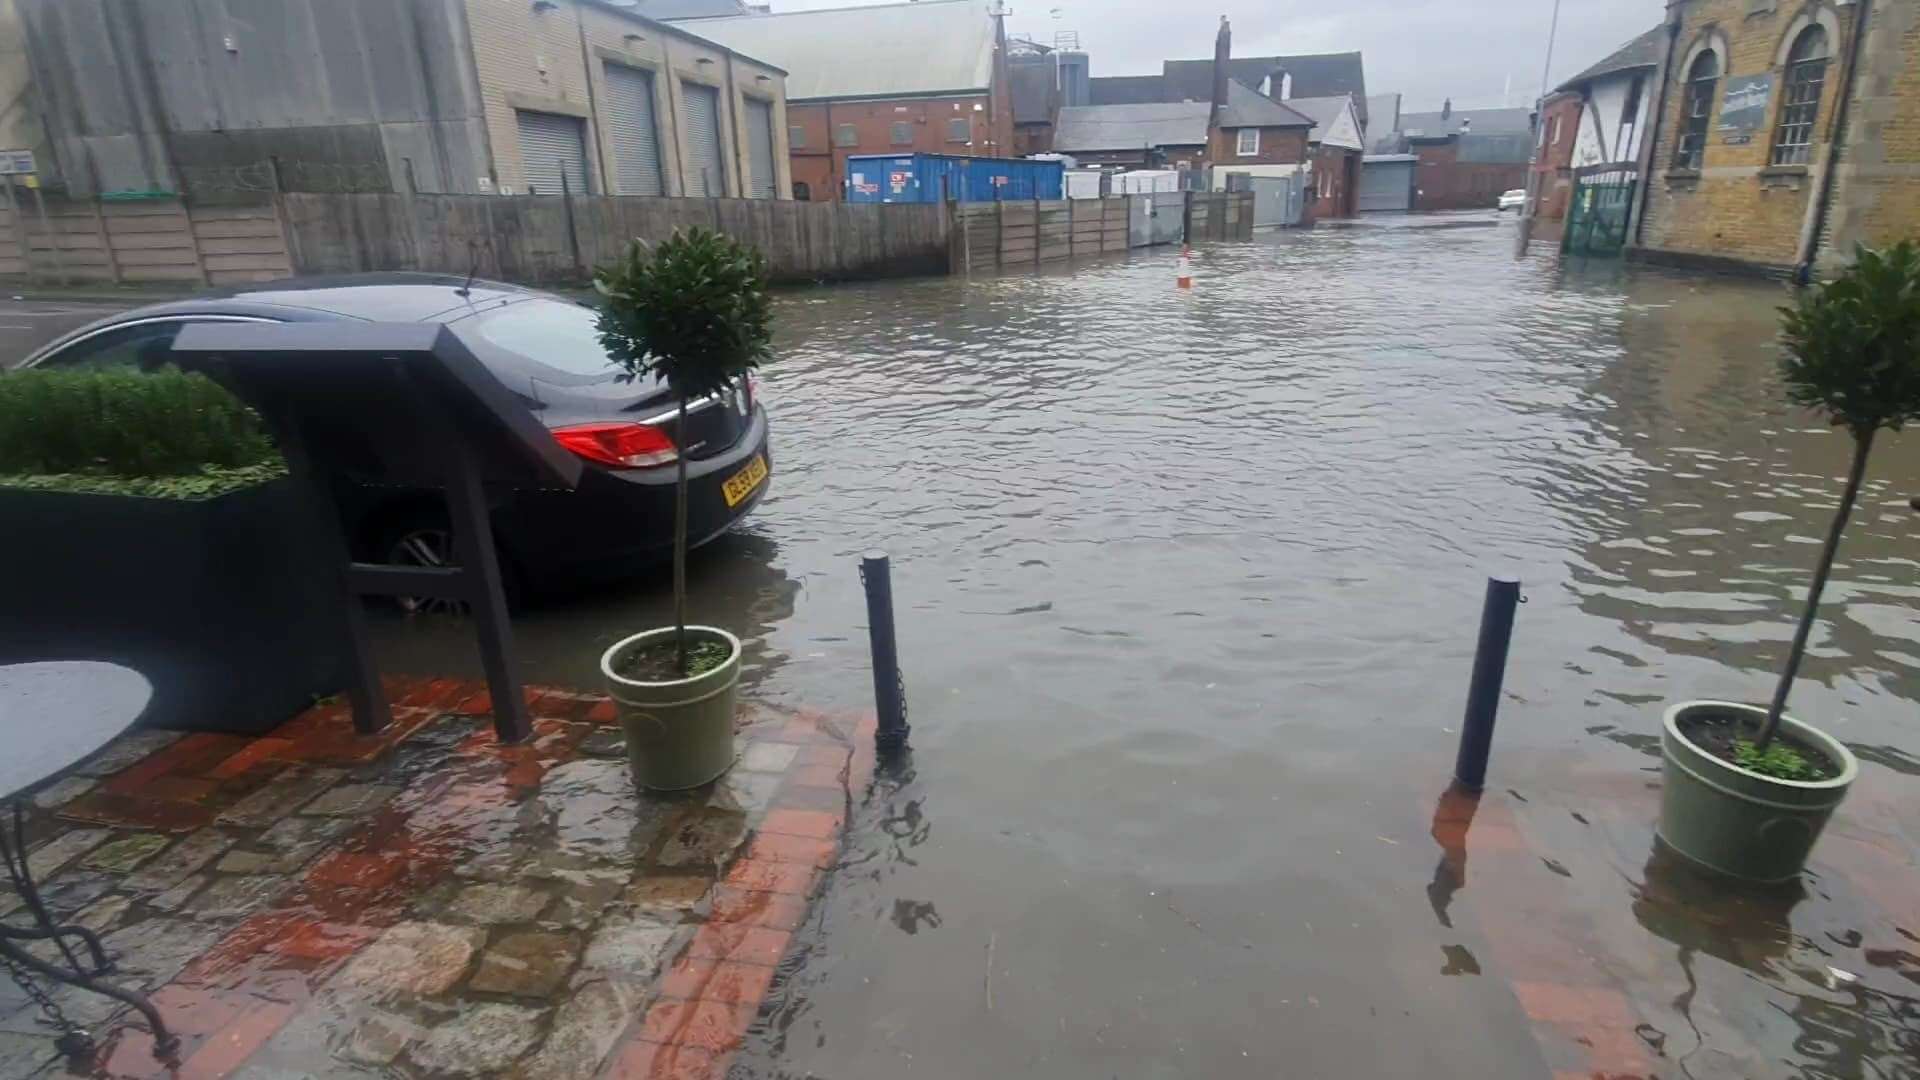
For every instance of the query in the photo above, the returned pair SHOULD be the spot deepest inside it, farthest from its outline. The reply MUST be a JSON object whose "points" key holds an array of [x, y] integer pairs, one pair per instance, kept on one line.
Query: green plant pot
{"points": [[679, 732], [1737, 821]]}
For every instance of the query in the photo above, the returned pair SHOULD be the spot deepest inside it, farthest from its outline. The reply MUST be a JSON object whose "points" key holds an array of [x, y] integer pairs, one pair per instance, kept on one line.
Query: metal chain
{"points": [[48, 1007]]}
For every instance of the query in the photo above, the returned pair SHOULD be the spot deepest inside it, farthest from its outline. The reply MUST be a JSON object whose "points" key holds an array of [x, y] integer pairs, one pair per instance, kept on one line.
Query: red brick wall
{"points": [[822, 166], [1553, 172], [1442, 182], [1336, 183], [1278, 146]]}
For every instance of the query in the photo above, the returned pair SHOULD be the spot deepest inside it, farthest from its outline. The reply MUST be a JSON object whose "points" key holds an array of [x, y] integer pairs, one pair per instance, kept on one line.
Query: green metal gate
{"points": [[1598, 213]]}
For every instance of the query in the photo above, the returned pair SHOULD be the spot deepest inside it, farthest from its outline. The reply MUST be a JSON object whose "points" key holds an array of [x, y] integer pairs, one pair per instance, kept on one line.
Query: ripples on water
{"points": [[1187, 587]]}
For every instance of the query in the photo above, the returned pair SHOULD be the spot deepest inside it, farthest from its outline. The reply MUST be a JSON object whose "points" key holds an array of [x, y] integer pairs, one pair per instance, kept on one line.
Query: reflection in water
{"points": [[1452, 820], [1841, 1025], [737, 583]]}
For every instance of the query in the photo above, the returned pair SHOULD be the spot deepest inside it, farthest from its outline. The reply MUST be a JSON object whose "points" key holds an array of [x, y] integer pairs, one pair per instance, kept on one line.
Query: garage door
{"points": [[700, 115], [760, 170], [636, 139], [1386, 185], [552, 146]]}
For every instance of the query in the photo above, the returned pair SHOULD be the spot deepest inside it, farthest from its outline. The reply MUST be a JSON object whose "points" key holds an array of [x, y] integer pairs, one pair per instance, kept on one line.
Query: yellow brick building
{"points": [[1757, 93]]}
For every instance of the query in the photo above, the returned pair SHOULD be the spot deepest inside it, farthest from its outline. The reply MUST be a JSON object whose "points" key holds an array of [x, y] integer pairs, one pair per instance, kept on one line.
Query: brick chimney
{"points": [[1222, 52], [1446, 111]]}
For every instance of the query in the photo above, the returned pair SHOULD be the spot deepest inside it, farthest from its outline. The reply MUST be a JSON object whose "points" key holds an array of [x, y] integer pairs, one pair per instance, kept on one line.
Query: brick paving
{"points": [[1678, 981], [317, 903]]}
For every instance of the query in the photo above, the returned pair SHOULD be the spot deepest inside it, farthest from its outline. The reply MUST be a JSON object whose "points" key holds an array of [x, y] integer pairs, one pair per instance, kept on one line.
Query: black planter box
{"points": [[224, 604]]}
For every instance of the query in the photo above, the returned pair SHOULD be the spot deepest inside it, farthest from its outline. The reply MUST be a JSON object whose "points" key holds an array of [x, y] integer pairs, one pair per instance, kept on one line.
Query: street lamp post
{"points": [[1539, 137]]}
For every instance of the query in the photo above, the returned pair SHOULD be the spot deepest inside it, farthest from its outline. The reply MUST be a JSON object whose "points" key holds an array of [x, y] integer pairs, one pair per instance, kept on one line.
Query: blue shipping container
{"points": [[926, 178]]}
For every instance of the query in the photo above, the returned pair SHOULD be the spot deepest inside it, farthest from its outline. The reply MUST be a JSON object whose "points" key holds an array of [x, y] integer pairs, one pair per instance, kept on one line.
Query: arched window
{"points": [[1800, 104], [1703, 81]]}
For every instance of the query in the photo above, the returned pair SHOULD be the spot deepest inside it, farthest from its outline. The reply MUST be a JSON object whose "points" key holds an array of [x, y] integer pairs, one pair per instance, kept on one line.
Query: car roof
{"points": [[377, 297], [380, 297]]}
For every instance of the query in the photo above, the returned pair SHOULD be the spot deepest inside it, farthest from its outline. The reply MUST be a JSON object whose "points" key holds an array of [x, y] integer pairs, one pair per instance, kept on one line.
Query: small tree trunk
{"points": [[1862, 446], [680, 543]]}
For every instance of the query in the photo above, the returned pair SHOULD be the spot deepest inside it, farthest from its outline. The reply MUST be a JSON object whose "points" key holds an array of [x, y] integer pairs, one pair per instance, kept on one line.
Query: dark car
{"points": [[546, 350]]}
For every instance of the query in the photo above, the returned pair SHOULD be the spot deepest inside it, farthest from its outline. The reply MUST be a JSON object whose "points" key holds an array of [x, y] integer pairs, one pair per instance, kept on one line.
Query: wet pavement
{"points": [[427, 901], [1187, 596]]}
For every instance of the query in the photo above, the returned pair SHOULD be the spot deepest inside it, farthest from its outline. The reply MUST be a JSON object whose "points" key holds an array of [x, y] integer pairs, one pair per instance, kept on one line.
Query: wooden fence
{"points": [[1014, 234], [49, 239], [551, 239]]}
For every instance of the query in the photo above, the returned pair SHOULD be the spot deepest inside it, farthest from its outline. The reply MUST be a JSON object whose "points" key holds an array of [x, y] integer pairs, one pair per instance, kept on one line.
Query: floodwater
{"points": [[1187, 591]]}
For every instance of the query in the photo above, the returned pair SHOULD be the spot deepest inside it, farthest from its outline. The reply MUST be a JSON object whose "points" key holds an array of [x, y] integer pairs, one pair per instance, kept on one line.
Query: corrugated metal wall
{"points": [[340, 94], [700, 116], [636, 138]]}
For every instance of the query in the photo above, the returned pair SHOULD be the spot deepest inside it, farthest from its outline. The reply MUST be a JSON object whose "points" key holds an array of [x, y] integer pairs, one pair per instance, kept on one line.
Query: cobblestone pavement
{"points": [[427, 901]]}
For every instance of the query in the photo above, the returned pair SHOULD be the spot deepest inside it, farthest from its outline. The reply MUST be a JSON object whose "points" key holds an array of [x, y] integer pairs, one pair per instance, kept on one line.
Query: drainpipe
{"points": [[593, 107], [1823, 191], [1651, 139], [733, 122]]}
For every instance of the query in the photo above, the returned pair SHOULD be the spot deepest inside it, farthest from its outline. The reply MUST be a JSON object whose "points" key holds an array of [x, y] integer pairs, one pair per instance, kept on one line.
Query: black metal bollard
{"points": [[1489, 671], [889, 690]]}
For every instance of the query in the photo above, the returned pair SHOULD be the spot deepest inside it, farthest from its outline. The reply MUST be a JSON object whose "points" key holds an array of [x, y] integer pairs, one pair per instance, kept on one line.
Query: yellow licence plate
{"points": [[741, 484]]}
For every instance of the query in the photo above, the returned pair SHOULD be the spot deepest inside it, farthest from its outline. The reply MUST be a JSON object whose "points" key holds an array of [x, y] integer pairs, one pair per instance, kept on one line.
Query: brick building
{"points": [[1786, 133], [1591, 132], [1335, 146], [1552, 180], [1233, 129], [470, 96], [888, 79]]}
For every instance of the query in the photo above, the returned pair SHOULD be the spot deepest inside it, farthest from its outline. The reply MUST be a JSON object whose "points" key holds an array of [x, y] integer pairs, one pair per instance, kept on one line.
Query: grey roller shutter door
{"points": [[552, 146], [700, 114], [760, 170], [636, 139], [1386, 185]]}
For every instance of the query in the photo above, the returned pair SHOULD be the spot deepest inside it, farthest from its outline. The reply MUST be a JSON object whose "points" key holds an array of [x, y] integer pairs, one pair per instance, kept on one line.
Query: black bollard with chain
{"points": [[889, 688]]}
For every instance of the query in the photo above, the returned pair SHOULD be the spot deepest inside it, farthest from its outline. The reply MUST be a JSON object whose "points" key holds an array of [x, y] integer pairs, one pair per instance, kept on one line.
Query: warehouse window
{"points": [[1247, 143], [1806, 77], [846, 135], [959, 130], [902, 133], [1703, 80], [796, 137]]}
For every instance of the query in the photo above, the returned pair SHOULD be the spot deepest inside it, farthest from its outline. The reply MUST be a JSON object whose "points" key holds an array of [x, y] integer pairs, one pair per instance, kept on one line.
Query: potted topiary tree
{"points": [[1748, 789], [695, 314]]}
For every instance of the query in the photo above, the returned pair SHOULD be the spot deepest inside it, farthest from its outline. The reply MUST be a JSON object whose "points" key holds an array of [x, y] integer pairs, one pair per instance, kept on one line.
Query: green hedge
{"points": [[166, 433]]}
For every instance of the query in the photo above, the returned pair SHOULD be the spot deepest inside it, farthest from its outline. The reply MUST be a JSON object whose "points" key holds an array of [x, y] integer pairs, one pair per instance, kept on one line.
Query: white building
{"points": [[1616, 97]]}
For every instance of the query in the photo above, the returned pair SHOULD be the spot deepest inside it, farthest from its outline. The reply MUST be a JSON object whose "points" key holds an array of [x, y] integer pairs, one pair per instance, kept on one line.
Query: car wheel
{"points": [[423, 538]]}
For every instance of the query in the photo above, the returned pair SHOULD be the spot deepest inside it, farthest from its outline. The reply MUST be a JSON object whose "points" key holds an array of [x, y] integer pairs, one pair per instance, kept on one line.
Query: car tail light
{"points": [[621, 445]]}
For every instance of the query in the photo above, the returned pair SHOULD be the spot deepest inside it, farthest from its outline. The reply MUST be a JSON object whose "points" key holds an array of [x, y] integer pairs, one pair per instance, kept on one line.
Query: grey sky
{"points": [[1426, 49]]}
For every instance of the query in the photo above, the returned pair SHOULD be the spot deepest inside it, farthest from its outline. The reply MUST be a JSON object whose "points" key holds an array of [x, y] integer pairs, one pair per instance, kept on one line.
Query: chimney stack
{"points": [[1446, 111], [1222, 52]]}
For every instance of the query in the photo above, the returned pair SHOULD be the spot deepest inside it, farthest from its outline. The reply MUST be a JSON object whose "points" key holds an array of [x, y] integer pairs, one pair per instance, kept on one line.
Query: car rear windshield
{"points": [[554, 341]]}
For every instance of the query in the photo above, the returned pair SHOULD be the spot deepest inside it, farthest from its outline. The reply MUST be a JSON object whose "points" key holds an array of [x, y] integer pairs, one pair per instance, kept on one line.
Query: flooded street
{"points": [[1187, 592]]}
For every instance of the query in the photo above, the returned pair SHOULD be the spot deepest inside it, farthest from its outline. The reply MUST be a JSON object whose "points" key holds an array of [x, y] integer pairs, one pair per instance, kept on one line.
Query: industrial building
{"points": [[478, 96], [926, 77]]}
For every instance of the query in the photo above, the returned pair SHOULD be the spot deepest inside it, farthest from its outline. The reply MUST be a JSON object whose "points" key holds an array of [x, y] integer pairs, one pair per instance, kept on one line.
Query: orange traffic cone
{"points": [[1184, 280]]}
